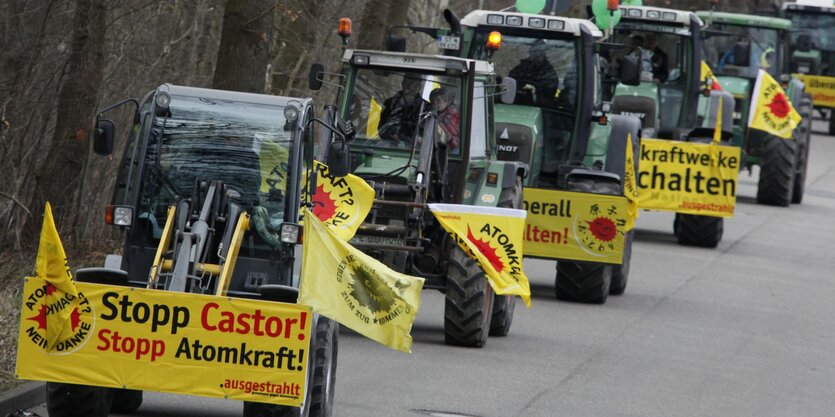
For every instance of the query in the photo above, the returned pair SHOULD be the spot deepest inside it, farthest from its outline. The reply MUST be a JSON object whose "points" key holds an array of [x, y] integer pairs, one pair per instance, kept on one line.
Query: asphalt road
{"points": [[746, 329]]}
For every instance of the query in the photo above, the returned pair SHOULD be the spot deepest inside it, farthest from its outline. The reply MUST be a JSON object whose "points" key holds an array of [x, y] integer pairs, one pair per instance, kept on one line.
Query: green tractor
{"points": [[737, 46], [425, 135], [813, 51], [558, 123], [671, 100], [198, 165]]}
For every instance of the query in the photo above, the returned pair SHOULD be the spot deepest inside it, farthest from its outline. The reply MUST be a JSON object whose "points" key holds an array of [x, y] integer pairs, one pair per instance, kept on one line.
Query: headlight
{"points": [[118, 215], [290, 233]]}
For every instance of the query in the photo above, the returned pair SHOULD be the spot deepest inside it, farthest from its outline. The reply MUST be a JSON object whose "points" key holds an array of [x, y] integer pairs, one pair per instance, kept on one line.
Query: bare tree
{"points": [[244, 53]]}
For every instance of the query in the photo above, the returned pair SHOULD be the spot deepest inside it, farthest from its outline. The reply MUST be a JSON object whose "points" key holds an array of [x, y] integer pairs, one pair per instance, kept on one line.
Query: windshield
{"points": [[819, 25], [245, 145], [545, 70], [720, 51], [389, 107], [664, 49]]}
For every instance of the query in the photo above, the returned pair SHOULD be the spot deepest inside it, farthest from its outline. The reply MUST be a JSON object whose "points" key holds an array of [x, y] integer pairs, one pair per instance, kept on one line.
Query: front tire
{"points": [[126, 401], [70, 400], [318, 400], [504, 305], [469, 301], [804, 136], [620, 273], [585, 282], [701, 231], [777, 172]]}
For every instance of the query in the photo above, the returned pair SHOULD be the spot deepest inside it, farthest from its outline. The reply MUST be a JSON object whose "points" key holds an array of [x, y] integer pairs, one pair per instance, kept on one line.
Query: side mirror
{"points": [[508, 90], [315, 76], [742, 54], [630, 69], [339, 158], [804, 42], [103, 137]]}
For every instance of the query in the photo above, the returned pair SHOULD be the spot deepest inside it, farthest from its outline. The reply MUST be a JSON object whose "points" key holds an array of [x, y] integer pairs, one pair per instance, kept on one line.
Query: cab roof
{"points": [[516, 20], [264, 99], [658, 15], [810, 7], [417, 61], [767, 22]]}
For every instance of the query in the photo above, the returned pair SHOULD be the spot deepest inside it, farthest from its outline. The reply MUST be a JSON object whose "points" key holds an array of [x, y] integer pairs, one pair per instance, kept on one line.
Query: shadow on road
{"points": [[655, 236]]}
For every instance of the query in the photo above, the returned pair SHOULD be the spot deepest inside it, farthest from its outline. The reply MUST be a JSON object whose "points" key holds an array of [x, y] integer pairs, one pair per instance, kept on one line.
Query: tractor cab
{"points": [[667, 43]]}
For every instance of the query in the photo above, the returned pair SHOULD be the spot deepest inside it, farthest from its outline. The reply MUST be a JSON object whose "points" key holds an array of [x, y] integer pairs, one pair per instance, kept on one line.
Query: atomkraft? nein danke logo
{"points": [[38, 309], [597, 230]]}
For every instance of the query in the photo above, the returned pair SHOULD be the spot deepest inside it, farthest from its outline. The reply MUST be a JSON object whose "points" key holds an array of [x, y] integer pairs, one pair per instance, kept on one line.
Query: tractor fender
{"points": [[623, 127]]}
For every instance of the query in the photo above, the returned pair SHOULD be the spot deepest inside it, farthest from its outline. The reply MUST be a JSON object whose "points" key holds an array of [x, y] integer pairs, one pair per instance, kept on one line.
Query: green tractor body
{"points": [[557, 125], [761, 42], [813, 51], [670, 99], [415, 151], [197, 163]]}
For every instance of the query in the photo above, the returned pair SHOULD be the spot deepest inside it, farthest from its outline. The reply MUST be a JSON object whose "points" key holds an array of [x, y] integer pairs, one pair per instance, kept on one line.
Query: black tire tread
{"points": [[126, 401], [70, 400], [585, 282], [620, 273], [468, 302], [504, 305], [696, 230], [804, 135], [777, 171]]}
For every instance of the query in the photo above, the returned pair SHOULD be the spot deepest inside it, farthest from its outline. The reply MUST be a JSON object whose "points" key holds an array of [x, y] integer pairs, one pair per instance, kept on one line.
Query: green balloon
{"points": [[530, 6], [602, 18]]}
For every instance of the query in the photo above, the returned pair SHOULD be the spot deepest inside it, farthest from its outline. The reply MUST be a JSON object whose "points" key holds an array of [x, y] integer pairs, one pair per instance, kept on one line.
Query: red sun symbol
{"points": [[324, 207], [50, 289], [486, 250], [603, 229], [779, 106], [75, 318], [40, 318]]}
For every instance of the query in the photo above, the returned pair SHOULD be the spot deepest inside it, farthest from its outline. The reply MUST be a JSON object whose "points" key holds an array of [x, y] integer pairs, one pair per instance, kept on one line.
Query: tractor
{"points": [[813, 51], [557, 125], [671, 101], [425, 135], [737, 46], [201, 166]]}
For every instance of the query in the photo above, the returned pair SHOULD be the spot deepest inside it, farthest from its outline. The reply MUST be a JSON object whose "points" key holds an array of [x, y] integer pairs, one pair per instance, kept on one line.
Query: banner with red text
{"points": [[169, 342]]}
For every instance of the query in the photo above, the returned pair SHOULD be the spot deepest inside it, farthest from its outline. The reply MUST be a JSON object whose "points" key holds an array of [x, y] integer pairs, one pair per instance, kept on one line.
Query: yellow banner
{"points": [[685, 177], [575, 226], [170, 342], [493, 237], [630, 185], [342, 203], [61, 296], [771, 111], [357, 290], [820, 87]]}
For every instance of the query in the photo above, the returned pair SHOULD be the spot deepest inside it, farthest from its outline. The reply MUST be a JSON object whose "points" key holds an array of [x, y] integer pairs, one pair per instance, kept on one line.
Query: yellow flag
{"points": [[58, 313], [342, 203], [271, 156], [374, 111], [630, 185], [358, 291], [493, 237], [708, 73], [771, 111]]}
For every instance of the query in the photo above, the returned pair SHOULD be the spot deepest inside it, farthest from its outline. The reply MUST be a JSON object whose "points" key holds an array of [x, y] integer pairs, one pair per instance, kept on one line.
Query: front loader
{"points": [[208, 197]]}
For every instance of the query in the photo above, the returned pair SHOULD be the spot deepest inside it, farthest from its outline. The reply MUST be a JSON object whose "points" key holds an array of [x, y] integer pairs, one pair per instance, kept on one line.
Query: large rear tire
{"points": [[469, 301], [695, 230], [585, 282], [777, 172], [318, 400], [70, 400], [620, 273], [504, 305], [126, 401], [804, 137]]}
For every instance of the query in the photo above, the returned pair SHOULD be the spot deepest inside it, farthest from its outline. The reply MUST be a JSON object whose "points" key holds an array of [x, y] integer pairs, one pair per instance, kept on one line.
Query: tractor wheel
{"points": [[620, 273], [70, 400], [586, 282], [695, 230], [804, 137], [318, 400], [469, 301], [503, 305], [777, 172], [126, 401], [832, 122]]}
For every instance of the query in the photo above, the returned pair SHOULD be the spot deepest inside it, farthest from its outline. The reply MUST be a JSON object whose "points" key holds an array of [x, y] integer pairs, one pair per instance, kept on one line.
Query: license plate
{"points": [[449, 42], [378, 240]]}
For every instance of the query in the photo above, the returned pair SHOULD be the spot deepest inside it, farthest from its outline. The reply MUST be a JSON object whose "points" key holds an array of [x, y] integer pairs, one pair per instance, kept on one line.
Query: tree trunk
{"points": [[59, 177], [244, 53]]}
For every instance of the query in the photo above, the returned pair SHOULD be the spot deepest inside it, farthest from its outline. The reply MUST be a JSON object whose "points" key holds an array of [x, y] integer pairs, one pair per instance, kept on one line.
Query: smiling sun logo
{"points": [[324, 207], [779, 106], [597, 230]]}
